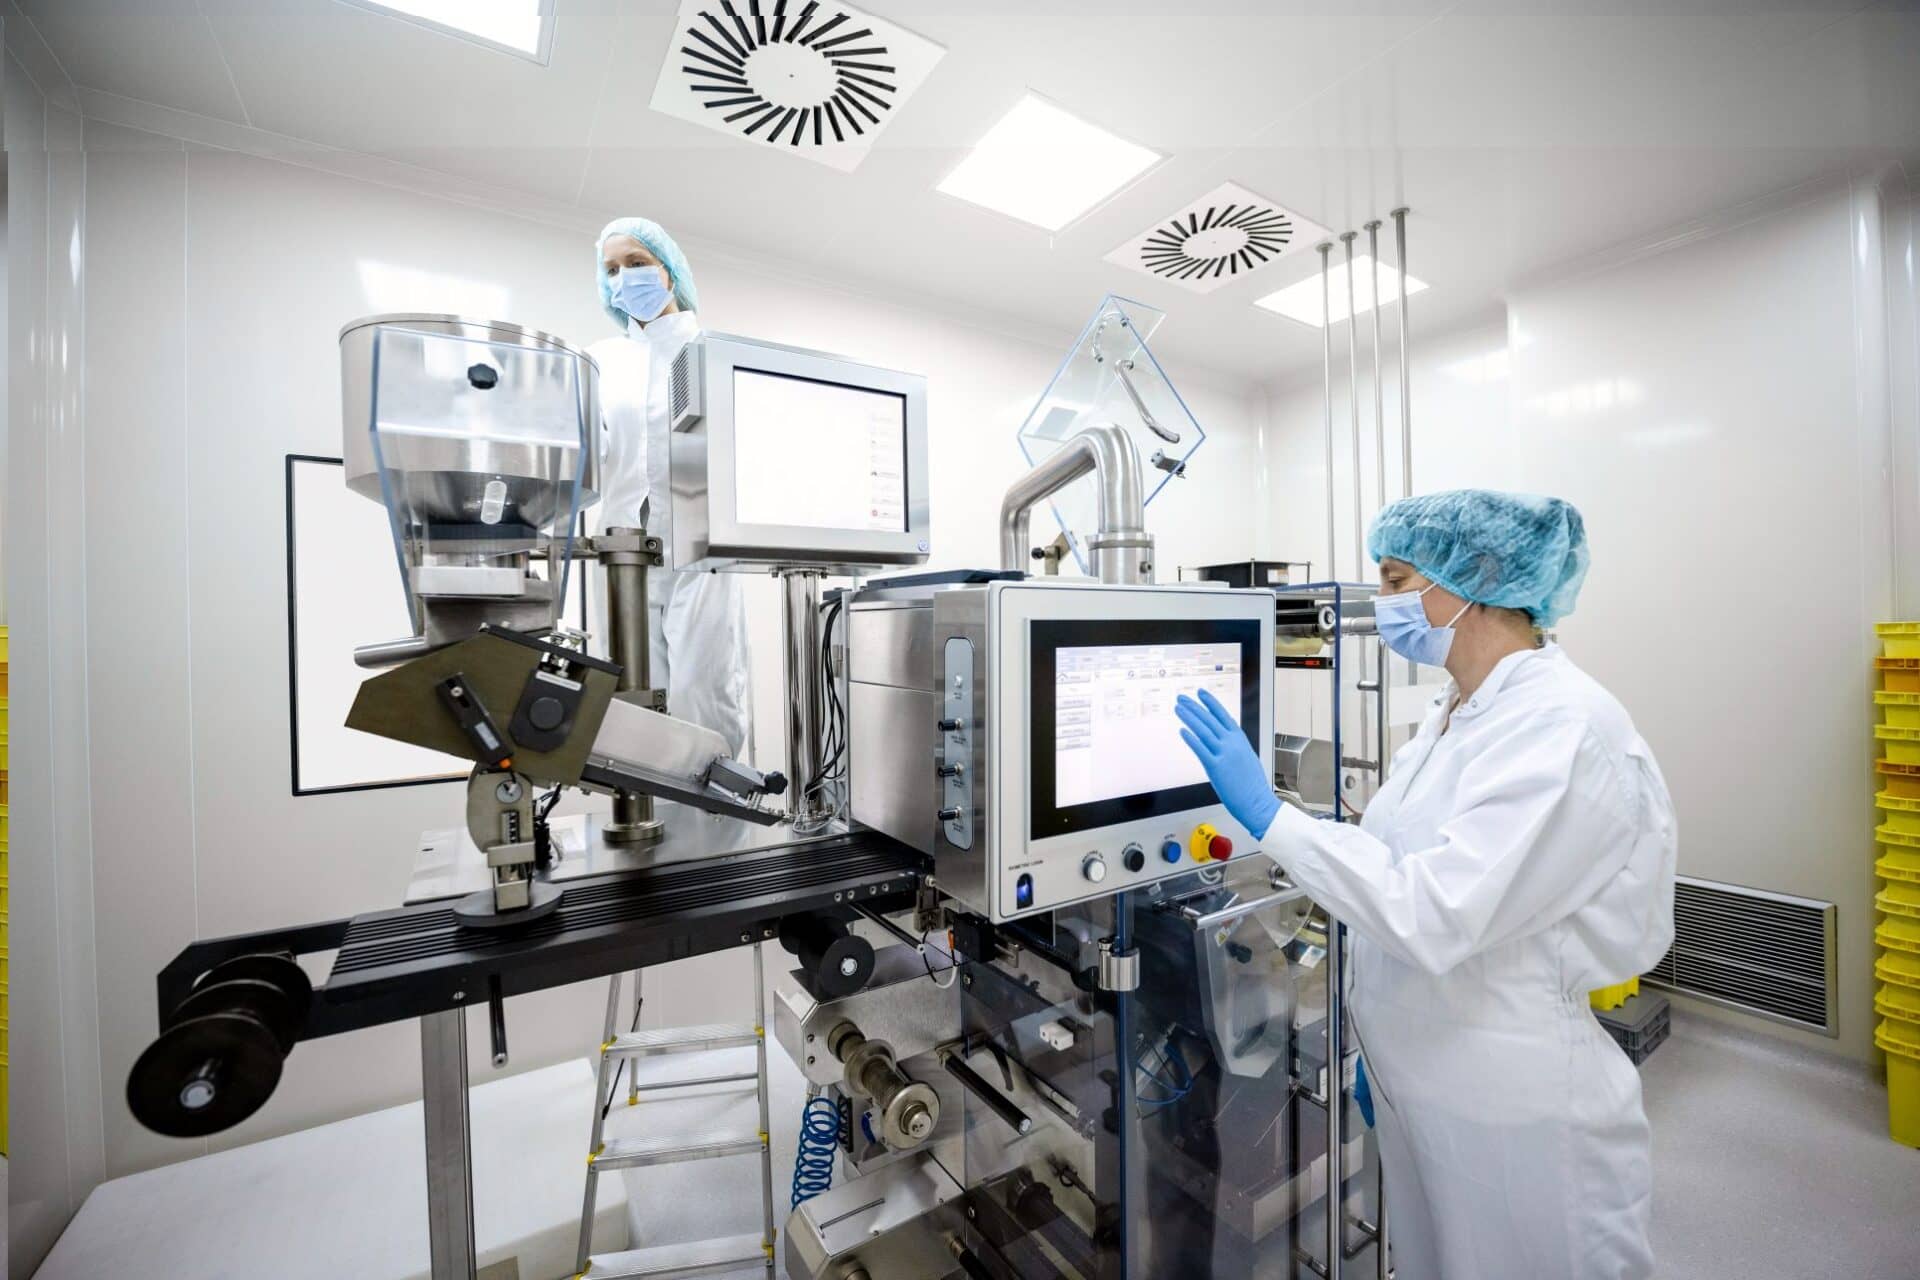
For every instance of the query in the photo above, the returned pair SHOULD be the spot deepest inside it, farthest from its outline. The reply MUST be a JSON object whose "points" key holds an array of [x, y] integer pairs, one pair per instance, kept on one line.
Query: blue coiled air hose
{"points": [[819, 1140]]}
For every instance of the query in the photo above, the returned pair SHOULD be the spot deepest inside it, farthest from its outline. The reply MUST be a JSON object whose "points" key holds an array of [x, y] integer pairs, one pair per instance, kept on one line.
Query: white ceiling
{"points": [[1523, 135]]}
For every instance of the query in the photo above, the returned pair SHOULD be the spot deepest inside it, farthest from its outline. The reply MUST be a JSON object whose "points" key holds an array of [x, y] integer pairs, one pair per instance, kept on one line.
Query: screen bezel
{"points": [[1045, 638], [906, 461]]}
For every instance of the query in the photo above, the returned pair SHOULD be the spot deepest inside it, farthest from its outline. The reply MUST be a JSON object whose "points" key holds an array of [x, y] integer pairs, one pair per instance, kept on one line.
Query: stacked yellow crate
{"points": [[1898, 966], [5, 836]]}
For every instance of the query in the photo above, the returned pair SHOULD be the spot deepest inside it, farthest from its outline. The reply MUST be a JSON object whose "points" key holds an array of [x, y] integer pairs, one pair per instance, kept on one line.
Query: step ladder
{"points": [[698, 1258]]}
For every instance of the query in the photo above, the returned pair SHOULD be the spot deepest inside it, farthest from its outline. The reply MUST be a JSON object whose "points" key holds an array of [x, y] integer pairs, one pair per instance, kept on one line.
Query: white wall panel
{"points": [[1718, 412]]}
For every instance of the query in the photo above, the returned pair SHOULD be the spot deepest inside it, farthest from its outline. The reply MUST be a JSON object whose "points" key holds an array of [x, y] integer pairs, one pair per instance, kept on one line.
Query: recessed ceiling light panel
{"points": [[1045, 166], [1301, 300], [1224, 236], [523, 27], [817, 80]]}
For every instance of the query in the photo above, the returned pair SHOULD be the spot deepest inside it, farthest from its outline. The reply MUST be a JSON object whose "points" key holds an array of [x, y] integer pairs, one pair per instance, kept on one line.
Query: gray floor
{"points": [[1770, 1163], [1773, 1162]]}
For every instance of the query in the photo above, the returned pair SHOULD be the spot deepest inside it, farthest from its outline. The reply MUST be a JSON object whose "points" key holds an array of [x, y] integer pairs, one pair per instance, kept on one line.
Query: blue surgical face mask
{"points": [[1402, 621], [642, 292]]}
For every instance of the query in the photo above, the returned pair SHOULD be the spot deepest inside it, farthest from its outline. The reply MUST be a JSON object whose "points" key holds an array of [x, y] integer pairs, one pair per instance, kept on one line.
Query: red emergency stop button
{"points": [[1206, 844]]}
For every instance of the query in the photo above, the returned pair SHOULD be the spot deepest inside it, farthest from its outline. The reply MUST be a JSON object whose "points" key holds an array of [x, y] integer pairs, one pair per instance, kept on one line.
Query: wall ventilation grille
{"points": [[1224, 236], [1763, 953], [813, 79]]}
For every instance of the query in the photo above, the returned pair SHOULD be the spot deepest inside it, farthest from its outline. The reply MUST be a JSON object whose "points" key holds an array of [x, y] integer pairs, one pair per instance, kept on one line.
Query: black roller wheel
{"points": [[205, 1074], [280, 970], [844, 967], [265, 1002]]}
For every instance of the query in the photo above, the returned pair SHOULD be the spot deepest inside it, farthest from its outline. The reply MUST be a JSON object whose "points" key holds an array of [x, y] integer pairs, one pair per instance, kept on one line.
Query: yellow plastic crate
{"points": [[1902, 745], [1900, 1003], [1614, 996], [1891, 835], [1899, 968], [1898, 934], [1903, 812], [1901, 1041], [1901, 779], [1899, 639], [1898, 864], [1899, 899], [1899, 675], [1898, 707]]}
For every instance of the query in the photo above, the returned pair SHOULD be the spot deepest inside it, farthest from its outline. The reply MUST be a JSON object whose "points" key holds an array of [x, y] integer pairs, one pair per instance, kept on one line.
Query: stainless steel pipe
{"points": [[1379, 390], [1325, 249], [800, 625], [1121, 548], [625, 556], [1406, 379], [1353, 406]]}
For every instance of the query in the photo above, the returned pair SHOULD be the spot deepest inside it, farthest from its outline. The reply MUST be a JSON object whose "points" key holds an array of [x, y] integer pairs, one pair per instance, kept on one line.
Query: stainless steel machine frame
{"points": [[708, 531]]}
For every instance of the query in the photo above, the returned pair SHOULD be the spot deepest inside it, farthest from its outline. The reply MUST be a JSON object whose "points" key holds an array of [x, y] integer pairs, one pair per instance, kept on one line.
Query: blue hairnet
{"points": [[1513, 550], [655, 237]]}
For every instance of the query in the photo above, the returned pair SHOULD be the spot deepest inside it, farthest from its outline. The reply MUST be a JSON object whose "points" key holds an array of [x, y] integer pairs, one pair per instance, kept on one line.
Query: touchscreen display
{"points": [[1104, 744], [817, 454], [1115, 733]]}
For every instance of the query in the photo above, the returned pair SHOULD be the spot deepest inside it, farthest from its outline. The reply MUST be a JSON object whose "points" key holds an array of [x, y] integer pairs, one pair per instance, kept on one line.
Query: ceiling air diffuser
{"points": [[817, 80]]}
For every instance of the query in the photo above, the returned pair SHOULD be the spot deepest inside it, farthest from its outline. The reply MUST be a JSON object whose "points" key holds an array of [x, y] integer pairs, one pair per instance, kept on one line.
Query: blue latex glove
{"points": [[1232, 767], [1362, 1091]]}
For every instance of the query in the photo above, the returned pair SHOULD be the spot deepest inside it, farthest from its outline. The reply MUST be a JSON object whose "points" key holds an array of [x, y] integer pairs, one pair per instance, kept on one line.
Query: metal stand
{"points": [[800, 623], [449, 1138], [626, 555]]}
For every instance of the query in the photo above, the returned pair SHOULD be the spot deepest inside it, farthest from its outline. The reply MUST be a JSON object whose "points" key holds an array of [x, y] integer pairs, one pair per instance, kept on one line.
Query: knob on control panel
{"points": [[1094, 868], [1133, 857]]}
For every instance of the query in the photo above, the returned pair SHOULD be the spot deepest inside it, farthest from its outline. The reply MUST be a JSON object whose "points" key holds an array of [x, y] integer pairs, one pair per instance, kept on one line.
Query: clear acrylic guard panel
{"points": [[482, 448], [1109, 365]]}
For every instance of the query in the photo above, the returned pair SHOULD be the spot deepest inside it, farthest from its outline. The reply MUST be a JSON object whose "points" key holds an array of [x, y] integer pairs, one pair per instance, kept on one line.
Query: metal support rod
{"points": [[629, 644], [1126, 1107], [766, 1126], [1353, 406], [497, 1020], [899, 934], [1379, 389], [1406, 380], [800, 619], [1325, 249], [1336, 1096], [1121, 548], [994, 1100], [449, 1141]]}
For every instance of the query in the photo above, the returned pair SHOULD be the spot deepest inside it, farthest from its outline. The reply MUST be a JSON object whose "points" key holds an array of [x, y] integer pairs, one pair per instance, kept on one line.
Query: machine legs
{"points": [[449, 1136]]}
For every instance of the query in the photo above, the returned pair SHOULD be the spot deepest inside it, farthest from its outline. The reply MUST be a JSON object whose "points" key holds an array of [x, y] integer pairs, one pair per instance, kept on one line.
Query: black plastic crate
{"points": [[1639, 1024]]}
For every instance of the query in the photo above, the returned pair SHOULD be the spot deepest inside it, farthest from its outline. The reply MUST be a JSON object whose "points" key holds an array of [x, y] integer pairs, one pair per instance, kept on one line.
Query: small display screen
{"points": [[819, 455], [1106, 743], [1115, 733]]}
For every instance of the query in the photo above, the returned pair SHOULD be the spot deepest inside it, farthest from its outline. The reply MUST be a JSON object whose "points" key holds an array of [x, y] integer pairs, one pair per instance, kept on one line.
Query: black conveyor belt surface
{"points": [[419, 959]]}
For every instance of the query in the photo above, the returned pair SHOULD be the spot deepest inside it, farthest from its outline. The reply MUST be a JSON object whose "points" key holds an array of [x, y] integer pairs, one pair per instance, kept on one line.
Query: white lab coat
{"points": [[1510, 865], [697, 622]]}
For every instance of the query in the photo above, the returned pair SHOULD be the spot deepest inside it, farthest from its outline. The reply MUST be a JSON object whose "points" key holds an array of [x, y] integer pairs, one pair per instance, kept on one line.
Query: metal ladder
{"points": [[699, 1258]]}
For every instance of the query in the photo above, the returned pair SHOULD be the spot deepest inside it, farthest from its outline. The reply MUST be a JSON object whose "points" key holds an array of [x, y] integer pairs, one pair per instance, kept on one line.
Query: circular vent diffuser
{"points": [[815, 76], [1217, 241]]}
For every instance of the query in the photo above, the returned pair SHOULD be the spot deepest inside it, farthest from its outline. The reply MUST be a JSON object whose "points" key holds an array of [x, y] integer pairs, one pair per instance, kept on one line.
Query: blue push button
{"points": [[1170, 851], [1023, 893]]}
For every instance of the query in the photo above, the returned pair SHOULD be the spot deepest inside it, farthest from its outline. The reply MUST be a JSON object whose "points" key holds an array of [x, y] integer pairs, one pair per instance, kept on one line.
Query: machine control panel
{"points": [[1067, 757], [956, 718]]}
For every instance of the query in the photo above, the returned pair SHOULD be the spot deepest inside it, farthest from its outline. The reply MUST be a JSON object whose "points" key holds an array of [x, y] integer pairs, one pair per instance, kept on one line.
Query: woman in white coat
{"points": [[697, 622], [1520, 854]]}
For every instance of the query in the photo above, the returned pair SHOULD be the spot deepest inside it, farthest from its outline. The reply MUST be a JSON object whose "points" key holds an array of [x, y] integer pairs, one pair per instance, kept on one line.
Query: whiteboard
{"points": [[343, 590]]}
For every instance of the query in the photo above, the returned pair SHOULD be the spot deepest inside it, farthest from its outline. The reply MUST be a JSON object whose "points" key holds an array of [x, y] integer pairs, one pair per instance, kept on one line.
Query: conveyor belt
{"points": [[394, 965]]}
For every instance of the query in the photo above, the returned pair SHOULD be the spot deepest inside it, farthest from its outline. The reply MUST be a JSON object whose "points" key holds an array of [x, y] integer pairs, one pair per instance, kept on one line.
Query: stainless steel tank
{"points": [[483, 422]]}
